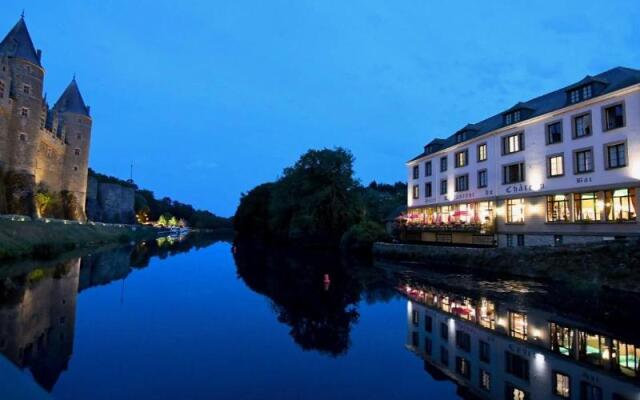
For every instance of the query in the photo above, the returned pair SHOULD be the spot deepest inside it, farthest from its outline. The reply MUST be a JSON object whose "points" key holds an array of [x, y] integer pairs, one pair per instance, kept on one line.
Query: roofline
{"points": [[533, 120]]}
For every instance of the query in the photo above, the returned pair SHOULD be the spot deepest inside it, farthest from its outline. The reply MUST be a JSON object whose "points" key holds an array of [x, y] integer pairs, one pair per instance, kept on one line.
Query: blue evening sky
{"points": [[210, 98]]}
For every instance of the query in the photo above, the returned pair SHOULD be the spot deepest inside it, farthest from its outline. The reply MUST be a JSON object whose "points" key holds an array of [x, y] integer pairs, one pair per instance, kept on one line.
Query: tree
{"points": [[162, 221], [173, 222]]}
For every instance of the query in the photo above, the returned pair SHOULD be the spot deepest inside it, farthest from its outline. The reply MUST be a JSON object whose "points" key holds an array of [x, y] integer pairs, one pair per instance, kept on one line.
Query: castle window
{"points": [[77, 152], [79, 136], [75, 167], [41, 123], [26, 89], [24, 112], [23, 137], [1, 89]]}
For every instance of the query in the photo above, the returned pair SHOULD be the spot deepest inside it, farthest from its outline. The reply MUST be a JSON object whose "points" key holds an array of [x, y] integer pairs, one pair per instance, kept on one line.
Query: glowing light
{"points": [[539, 361], [502, 322]]}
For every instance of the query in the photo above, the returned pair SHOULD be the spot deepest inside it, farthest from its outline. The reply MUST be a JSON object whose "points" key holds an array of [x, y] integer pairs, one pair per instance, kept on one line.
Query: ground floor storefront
{"points": [[534, 220]]}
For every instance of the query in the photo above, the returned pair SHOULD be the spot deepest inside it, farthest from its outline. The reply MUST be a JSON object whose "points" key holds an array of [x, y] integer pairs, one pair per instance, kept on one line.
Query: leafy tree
{"points": [[162, 221]]}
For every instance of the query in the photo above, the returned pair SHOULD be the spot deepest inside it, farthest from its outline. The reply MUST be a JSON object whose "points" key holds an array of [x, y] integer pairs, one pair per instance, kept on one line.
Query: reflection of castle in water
{"points": [[501, 351], [37, 324]]}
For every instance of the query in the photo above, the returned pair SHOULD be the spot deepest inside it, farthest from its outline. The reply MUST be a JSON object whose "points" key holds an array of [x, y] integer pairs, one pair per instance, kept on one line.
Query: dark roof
{"points": [[18, 44], [612, 80], [71, 100]]}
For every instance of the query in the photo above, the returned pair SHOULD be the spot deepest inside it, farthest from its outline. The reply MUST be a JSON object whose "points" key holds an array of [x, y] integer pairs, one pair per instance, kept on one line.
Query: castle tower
{"points": [[75, 124], [21, 81]]}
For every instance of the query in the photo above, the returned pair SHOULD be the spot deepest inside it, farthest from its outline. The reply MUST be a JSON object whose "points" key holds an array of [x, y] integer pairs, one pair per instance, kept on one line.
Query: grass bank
{"points": [[39, 239]]}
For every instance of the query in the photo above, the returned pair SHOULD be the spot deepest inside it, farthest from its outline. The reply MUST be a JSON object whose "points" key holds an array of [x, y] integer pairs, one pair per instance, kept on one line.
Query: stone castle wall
{"points": [[110, 202]]}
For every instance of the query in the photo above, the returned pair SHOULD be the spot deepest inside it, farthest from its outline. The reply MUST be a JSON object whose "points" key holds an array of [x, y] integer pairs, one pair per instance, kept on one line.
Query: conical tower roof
{"points": [[18, 44], [71, 100]]}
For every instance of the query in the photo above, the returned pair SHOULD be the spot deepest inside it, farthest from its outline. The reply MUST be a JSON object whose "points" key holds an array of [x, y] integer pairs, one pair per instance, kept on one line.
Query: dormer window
{"points": [[586, 92], [516, 116], [507, 119], [428, 149], [580, 94], [575, 96], [460, 137]]}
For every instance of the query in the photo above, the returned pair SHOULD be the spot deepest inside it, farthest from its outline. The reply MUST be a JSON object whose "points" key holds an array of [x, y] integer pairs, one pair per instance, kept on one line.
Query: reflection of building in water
{"points": [[496, 351], [36, 330]]}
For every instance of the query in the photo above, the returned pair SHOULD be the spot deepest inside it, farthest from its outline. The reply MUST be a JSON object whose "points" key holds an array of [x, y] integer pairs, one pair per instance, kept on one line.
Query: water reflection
{"points": [[520, 348], [38, 308]]}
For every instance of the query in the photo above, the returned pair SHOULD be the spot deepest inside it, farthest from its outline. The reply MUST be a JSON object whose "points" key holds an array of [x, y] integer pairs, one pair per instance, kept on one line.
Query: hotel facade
{"points": [[561, 168]]}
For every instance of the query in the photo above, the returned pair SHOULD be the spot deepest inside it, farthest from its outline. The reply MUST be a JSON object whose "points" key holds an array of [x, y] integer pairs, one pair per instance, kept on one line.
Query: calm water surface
{"points": [[169, 321]]}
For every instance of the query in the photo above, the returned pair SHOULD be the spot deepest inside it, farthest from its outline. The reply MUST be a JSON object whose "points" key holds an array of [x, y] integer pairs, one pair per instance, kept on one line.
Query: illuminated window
{"points": [[518, 325], [482, 152], [443, 164], [628, 358], [561, 339], [555, 165], [416, 172], [616, 156], [619, 205], [515, 211], [513, 173], [512, 143], [554, 133], [485, 380], [462, 183], [593, 348], [462, 158], [583, 161], [561, 385], [587, 207], [582, 126], [513, 393], [558, 208], [614, 117], [463, 368]]}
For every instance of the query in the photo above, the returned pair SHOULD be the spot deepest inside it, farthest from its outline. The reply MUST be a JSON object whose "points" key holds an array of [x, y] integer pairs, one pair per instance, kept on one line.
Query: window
{"points": [[463, 341], [583, 161], [75, 168], [616, 156], [561, 385], [555, 165], [26, 89], [462, 183], [416, 191], [444, 331], [415, 318], [1, 89], [561, 339], [463, 368], [485, 352], [462, 158], [485, 380], [427, 189], [444, 355], [589, 391], [582, 126], [77, 152], [558, 208], [514, 393], [586, 92], [79, 136], [509, 240], [518, 325], [557, 240], [507, 119], [23, 137], [516, 116], [24, 112], [554, 133], [460, 137], [516, 365], [513, 173], [416, 172], [482, 178], [515, 211], [575, 96], [482, 152], [415, 339], [427, 346], [587, 207], [443, 186], [512, 143], [613, 117], [443, 164], [520, 239], [427, 168], [620, 205], [428, 323]]}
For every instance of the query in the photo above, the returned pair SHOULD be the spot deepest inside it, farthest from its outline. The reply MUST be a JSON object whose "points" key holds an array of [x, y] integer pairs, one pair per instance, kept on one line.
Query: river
{"points": [[201, 319]]}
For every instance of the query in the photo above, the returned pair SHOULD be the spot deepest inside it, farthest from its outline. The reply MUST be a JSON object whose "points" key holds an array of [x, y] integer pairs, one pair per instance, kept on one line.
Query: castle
{"points": [[42, 149]]}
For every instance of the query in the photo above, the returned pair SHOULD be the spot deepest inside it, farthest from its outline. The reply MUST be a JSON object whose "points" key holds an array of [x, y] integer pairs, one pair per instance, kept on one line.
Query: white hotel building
{"points": [[561, 168]]}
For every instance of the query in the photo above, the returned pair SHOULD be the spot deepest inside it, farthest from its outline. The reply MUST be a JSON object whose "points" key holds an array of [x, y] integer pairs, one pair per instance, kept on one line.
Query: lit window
{"points": [[587, 207], [614, 117], [462, 158], [482, 179], [582, 126], [561, 339], [554, 133], [513, 393], [416, 172], [561, 385], [584, 161], [482, 152], [416, 191], [443, 186], [462, 183], [485, 380], [443, 164], [513, 173], [616, 156], [558, 208], [515, 211], [512, 143], [620, 205], [555, 165]]}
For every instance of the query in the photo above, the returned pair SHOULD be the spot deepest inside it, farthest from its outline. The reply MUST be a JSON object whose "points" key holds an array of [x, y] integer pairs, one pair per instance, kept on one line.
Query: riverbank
{"points": [[615, 265], [42, 239]]}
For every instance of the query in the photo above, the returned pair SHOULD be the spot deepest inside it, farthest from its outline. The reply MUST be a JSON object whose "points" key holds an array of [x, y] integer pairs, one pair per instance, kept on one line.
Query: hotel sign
{"points": [[522, 188]]}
